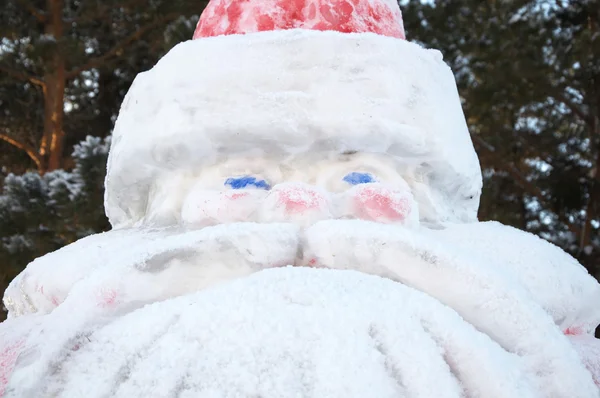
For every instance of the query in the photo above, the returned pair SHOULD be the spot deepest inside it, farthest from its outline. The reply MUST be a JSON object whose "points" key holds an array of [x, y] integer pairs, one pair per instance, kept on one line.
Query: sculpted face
{"points": [[238, 216], [301, 190], [234, 218]]}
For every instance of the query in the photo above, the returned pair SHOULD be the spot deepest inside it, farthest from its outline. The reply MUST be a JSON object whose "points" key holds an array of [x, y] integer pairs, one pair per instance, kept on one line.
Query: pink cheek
{"points": [[378, 205], [299, 200]]}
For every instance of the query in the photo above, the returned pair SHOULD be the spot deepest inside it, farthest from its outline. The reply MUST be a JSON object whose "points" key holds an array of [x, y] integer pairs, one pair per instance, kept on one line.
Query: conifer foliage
{"points": [[528, 72], [41, 213]]}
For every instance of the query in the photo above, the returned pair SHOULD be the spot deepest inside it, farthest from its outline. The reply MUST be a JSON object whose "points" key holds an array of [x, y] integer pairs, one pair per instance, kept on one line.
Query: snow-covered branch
{"points": [[520, 179], [98, 61]]}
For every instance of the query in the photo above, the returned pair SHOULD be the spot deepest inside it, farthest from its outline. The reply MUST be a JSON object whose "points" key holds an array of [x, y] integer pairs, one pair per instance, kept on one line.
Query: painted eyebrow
{"points": [[356, 178], [245, 181]]}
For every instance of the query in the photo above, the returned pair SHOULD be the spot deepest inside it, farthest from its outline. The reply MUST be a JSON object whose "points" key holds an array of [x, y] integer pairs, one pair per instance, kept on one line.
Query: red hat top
{"points": [[228, 17]]}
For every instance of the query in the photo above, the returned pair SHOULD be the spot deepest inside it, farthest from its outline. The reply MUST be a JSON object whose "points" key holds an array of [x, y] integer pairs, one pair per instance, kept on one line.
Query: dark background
{"points": [[528, 73]]}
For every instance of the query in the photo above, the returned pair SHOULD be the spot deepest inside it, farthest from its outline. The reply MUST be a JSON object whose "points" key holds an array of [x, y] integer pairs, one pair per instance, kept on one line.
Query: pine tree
{"points": [[529, 76], [47, 199], [65, 66], [42, 213]]}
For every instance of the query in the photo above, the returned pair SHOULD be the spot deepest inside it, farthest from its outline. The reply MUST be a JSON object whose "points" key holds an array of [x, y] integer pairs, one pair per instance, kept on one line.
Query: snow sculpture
{"points": [[294, 199]]}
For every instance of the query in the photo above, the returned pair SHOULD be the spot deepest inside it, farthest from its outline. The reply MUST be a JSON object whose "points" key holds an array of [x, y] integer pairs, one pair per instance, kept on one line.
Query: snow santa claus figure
{"points": [[293, 197]]}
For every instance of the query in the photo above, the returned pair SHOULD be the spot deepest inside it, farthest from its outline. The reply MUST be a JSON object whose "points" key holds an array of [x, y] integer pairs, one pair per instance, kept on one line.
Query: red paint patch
{"points": [[264, 23], [108, 298], [312, 11], [52, 298], [8, 359], [375, 204], [226, 17], [312, 262], [236, 195], [299, 200], [574, 331], [337, 13]]}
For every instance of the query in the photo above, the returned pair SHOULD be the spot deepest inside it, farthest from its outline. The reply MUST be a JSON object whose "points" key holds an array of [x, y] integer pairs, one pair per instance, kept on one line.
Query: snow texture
{"points": [[588, 348], [279, 333], [301, 94], [150, 265], [443, 321], [552, 277], [304, 228]]}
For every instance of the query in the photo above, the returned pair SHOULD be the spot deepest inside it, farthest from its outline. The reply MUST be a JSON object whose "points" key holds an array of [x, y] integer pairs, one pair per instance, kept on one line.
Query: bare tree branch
{"points": [[520, 179], [22, 76], [591, 208], [85, 15], [98, 61], [39, 15], [98, 13], [31, 152]]}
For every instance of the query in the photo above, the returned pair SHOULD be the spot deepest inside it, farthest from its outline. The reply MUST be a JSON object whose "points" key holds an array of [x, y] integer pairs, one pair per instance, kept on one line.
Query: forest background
{"points": [[528, 72]]}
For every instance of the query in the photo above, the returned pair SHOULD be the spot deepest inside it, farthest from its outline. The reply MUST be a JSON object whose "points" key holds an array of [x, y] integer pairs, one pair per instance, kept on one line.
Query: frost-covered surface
{"points": [[279, 333], [302, 93], [302, 329], [150, 265], [265, 191], [553, 278], [274, 236], [588, 348], [25, 197]]}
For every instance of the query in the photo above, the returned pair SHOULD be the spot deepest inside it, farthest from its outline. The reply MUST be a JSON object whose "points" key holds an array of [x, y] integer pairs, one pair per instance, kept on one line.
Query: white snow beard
{"points": [[164, 265], [490, 299], [131, 267]]}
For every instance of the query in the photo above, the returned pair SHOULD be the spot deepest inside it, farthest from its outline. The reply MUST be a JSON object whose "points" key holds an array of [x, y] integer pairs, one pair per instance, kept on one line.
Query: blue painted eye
{"points": [[355, 178], [246, 182]]}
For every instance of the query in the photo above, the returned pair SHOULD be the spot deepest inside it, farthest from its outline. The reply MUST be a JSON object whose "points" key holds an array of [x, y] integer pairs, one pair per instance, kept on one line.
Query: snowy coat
{"points": [[477, 310]]}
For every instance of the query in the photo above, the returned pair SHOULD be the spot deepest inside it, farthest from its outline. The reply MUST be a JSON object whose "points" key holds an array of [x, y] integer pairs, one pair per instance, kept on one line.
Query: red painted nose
{"points": [[299, 199], [295, 202]]}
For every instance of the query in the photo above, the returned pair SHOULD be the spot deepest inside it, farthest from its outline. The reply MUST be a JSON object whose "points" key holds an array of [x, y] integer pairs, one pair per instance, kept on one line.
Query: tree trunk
{"points": [[52, 146]]}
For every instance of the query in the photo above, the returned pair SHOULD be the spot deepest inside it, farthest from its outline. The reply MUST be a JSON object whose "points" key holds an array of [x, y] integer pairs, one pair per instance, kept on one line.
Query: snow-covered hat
{"points": [[277, 78]]}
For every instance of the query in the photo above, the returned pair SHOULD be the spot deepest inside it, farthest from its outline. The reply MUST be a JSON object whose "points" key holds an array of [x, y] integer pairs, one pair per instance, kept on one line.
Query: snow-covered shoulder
{"points": [[454, 293], [556, 280], [278, 333], [147, 265]]}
